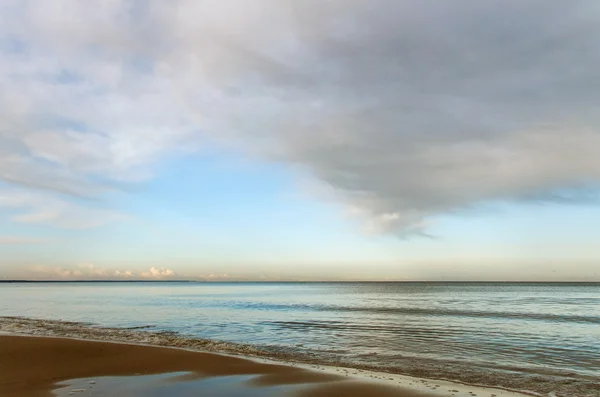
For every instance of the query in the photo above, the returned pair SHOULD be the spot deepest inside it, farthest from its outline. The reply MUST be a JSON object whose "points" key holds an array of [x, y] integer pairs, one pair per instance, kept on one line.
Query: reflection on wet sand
{"points": [[41, 366]]}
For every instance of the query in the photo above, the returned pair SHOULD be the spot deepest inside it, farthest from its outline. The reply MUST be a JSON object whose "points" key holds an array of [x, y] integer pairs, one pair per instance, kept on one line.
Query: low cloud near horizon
{"points": [[88, 271], [93, 272], [400, 111]]}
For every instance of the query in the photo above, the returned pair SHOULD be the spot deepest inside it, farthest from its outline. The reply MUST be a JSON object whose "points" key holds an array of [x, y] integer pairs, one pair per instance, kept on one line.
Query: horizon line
{"points": [[7, 281]]}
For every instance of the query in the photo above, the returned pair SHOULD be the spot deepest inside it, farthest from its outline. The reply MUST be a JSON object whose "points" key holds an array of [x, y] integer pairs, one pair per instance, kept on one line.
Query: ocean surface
{"points": [[541, 337]]}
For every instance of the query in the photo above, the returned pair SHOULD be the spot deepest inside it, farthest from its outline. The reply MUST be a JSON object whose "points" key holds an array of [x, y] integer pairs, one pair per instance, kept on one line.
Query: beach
{"points": [[45, 366]]}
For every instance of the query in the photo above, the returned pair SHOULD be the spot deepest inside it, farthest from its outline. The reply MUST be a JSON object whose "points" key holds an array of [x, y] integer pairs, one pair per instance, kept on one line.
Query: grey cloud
{"points": [[406, 109], [413, 109]]}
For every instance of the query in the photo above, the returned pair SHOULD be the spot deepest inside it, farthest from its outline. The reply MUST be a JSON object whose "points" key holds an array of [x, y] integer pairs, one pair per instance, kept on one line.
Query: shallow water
{"points": [[539, 337], [168, 385]]}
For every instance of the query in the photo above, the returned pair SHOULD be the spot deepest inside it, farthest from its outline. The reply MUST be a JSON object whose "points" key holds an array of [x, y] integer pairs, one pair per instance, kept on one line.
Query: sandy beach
{"points": [[33, 366], [43, 367]]}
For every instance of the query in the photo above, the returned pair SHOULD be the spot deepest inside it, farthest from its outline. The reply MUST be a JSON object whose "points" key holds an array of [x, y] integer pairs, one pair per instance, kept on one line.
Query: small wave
{"points": [[140, 327], [549, 317], [469, 313]]}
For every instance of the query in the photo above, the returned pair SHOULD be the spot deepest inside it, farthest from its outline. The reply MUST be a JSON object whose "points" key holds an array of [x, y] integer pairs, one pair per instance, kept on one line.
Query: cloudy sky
{"points": [[279, 139]]}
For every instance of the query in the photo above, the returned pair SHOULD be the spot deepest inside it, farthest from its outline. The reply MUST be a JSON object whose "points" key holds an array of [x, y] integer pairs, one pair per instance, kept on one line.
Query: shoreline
{"points": [[292, 378], [149, 336], [141, 337]]}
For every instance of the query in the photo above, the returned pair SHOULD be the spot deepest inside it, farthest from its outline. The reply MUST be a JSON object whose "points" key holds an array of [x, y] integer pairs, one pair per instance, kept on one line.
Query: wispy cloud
{"points": [[22, 240], [405, 109], [43, 208]]}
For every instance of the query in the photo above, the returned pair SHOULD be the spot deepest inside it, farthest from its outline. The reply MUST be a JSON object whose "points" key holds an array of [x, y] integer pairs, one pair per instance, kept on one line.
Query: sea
{"points": [[539, 338]]}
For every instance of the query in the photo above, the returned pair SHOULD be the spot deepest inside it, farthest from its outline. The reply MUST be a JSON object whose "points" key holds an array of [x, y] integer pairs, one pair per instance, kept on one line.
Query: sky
{"points": [[300, 140]]}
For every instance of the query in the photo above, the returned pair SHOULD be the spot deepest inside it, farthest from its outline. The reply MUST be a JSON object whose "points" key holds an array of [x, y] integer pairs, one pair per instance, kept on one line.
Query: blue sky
{"points": [[214, 214], [389, 140]]}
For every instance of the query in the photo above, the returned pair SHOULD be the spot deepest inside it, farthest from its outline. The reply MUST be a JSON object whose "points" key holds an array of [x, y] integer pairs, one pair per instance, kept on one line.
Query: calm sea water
{"points": [[538, 337]]}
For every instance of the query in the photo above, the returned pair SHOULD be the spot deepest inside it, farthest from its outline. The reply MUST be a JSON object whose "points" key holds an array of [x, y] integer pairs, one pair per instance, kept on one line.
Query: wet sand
{"points": [[44, 366], [33, 367]]}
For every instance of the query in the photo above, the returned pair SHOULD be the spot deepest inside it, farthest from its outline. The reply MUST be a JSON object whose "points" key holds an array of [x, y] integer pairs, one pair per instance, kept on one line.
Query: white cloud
{"points": [[407, 109], [155, 272], [214, 277]]}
